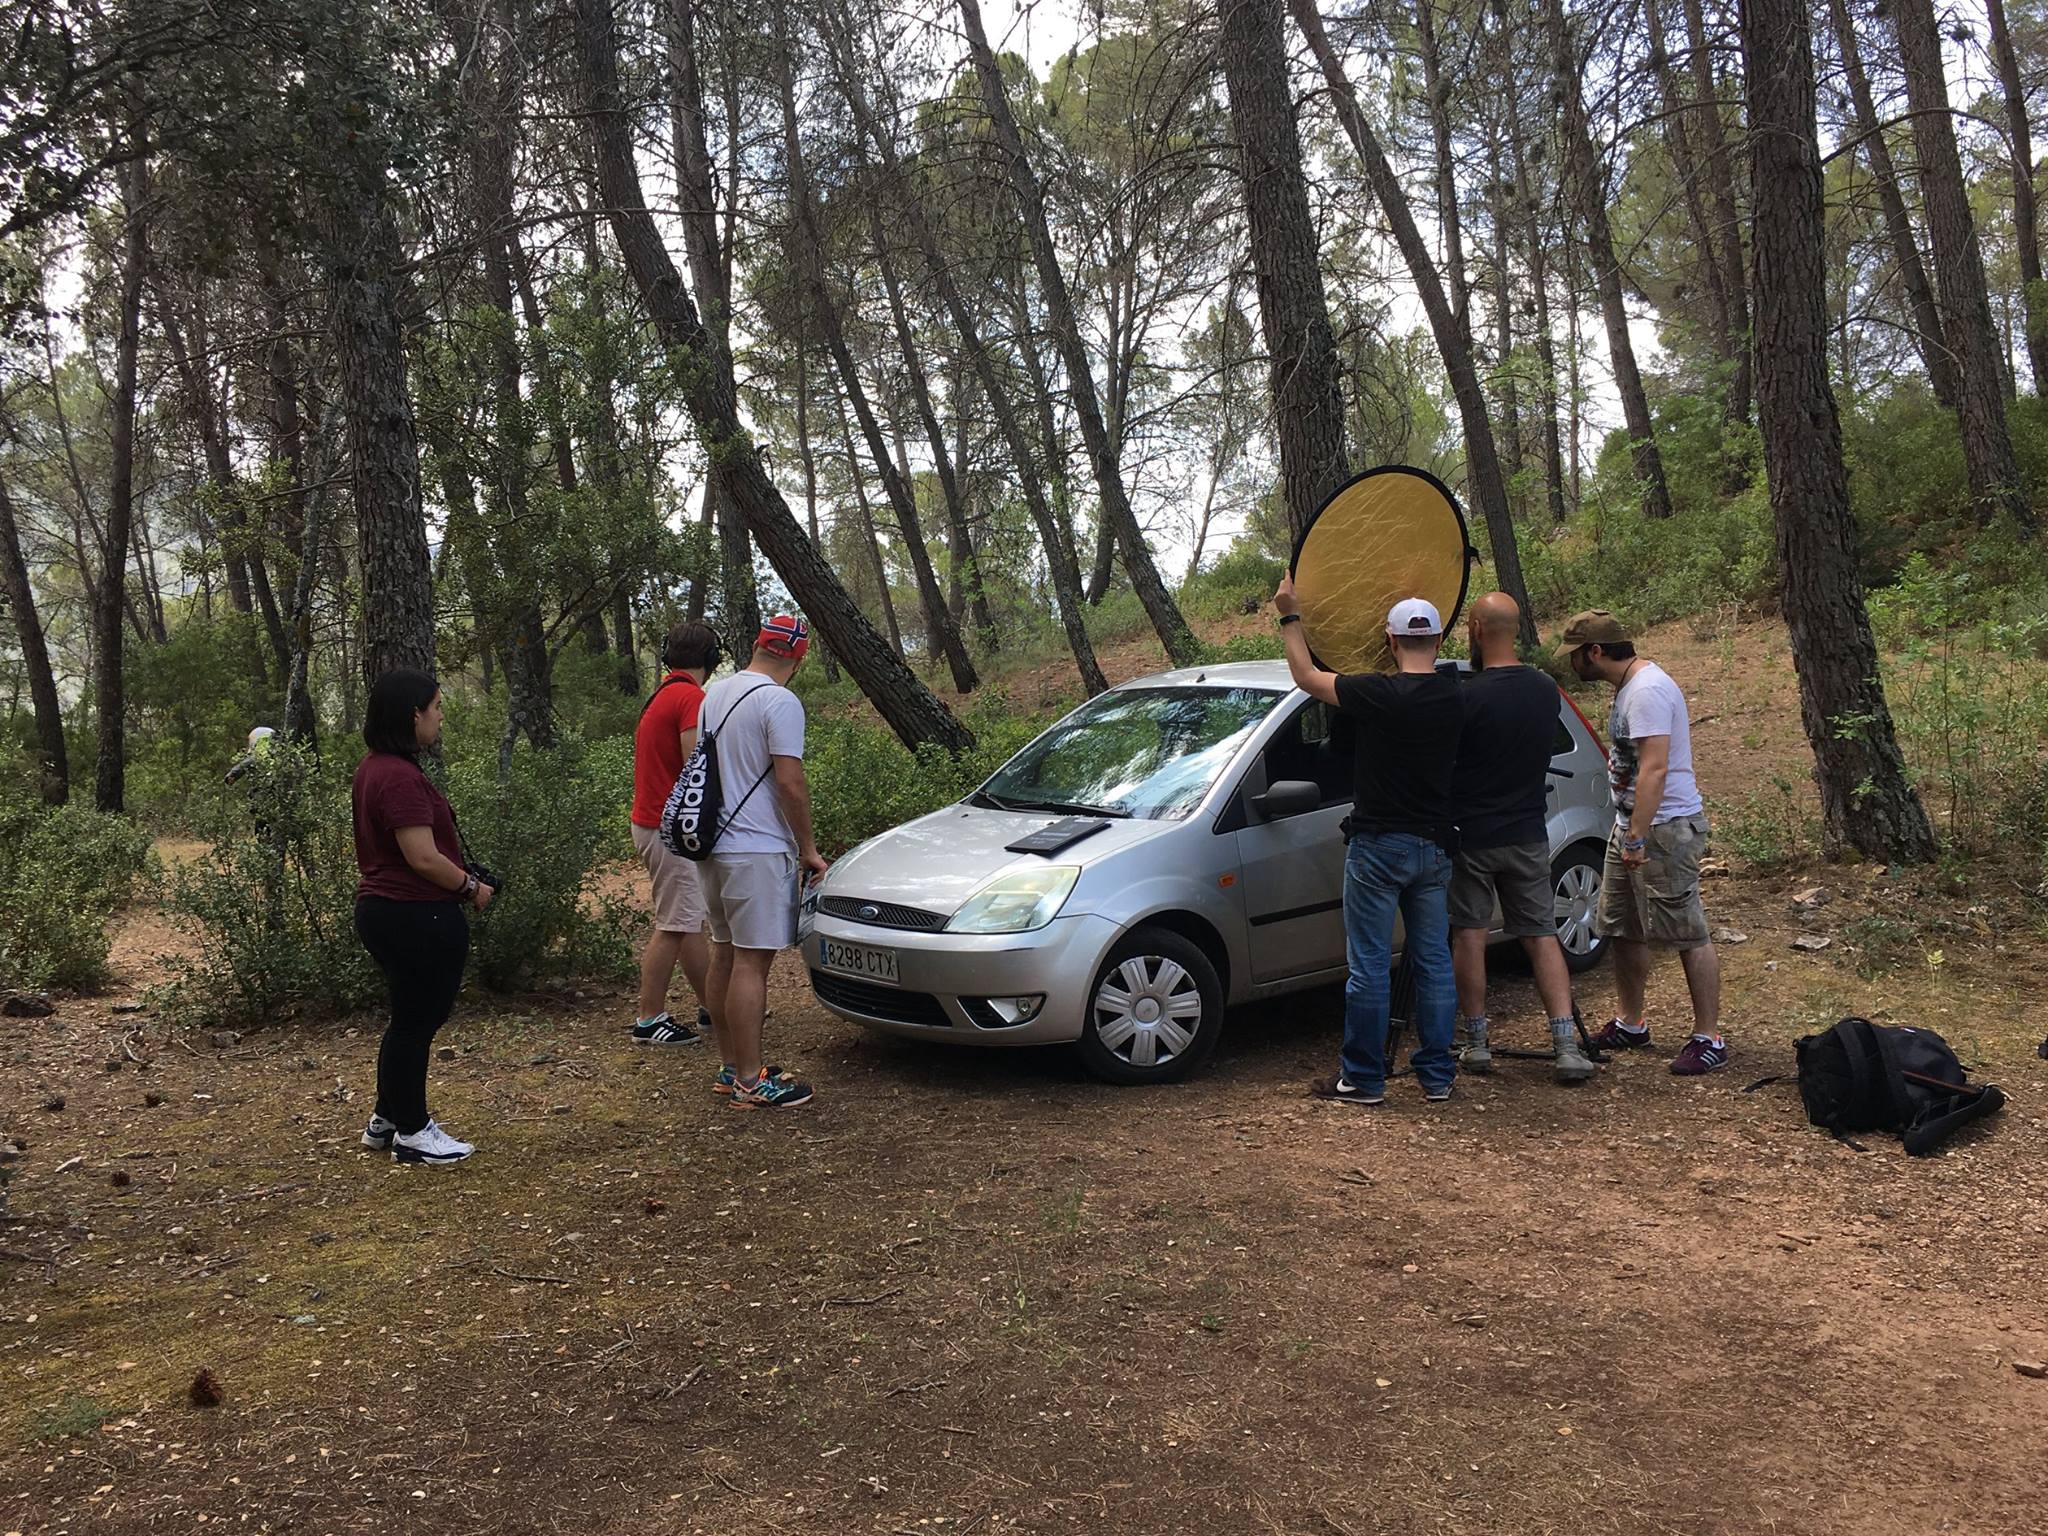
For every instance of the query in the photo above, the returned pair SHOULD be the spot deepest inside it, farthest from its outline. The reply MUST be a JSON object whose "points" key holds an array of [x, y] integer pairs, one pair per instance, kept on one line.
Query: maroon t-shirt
{"points": [[390, 792]]}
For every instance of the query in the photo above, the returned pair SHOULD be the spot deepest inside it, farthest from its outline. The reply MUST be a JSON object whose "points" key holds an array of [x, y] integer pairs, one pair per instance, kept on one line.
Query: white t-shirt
{"points": [[1651, 704], [761, 728]]}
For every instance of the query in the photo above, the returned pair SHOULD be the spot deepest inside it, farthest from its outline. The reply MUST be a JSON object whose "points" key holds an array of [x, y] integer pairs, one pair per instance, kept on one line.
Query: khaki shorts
{"points": [[1520, 875], [1659, 904], [678, 893], [752, 897]]}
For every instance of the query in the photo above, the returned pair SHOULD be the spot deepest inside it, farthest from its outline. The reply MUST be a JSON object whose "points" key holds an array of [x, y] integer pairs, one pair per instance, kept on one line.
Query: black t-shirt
{"points": [[1406, 745], [1503, 771]]}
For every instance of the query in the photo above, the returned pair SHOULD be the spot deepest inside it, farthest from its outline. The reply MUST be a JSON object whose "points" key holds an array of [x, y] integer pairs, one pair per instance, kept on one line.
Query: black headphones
{"points": [[711, 662]]}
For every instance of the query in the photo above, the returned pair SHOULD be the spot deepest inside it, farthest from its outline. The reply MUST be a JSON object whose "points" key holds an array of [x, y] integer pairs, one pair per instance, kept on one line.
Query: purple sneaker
{"points": [[1699, 1057], [1617, 1036]]}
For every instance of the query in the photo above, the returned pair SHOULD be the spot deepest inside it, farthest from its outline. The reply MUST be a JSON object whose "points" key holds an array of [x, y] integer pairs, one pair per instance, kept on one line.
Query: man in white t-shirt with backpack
{"points": [[1650, 885], [762, 853]]}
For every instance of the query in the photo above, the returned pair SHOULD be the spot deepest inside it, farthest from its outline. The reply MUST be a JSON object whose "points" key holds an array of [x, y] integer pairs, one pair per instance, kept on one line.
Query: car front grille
{"points": [[875, 1002], [882, 914]]}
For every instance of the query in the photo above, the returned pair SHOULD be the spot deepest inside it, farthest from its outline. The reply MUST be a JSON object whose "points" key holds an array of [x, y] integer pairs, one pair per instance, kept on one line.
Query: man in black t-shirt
{"points": [[1503, 835], [1401, 828]]}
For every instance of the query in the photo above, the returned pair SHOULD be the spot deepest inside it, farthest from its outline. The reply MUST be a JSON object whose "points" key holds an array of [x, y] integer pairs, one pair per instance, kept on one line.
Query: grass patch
{"points": [[76, 1415]]}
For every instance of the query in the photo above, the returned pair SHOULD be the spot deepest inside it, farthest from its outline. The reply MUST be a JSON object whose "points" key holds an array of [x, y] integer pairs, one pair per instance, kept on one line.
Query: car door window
{"points": [[1315, 745]]}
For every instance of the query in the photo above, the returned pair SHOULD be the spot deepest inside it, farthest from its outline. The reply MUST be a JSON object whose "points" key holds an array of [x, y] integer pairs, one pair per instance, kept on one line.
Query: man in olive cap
{"points": [[1650, 887]]}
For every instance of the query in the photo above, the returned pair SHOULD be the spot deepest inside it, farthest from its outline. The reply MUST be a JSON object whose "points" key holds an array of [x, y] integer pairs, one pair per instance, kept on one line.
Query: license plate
{"points": [[860, 960]]}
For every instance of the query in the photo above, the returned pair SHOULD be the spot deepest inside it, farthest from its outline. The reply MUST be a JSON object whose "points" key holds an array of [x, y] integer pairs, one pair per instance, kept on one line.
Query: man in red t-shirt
{"points": [[664, 738]]}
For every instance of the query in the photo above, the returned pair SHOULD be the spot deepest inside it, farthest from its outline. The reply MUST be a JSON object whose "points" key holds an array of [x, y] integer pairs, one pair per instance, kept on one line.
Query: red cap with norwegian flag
{"points": [[786, 636]]}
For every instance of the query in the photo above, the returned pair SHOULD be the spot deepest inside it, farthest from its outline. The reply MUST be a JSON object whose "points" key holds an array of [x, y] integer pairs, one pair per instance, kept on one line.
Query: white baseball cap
{"points": [[1414, 616]]}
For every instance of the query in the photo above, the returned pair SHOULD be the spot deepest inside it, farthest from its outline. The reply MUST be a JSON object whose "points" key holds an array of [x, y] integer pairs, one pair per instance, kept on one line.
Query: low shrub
{"points": [[62, 874], [1242, 579], [1769, 829], [272, 903]]}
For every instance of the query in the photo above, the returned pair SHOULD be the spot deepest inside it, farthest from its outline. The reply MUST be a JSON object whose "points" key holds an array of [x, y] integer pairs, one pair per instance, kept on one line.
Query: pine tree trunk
{"points": [[1059, 554], [1303, 368], [53, 771], [1512, 451], [1181, 646], [109, 638], [1539, 288], [1867, 801], [384, 463], [1589, 190], [1437, 91], [1691, 182], [871, 541], [1959, 272], [1928, 336], [704, 371], [1482, 459], [624, 645], [2026, 231], [1717, 167]]}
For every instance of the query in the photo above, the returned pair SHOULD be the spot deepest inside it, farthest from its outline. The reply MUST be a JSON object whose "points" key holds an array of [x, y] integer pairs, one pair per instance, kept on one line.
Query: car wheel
{"points": [[1155, 1011], [1575, 882]]}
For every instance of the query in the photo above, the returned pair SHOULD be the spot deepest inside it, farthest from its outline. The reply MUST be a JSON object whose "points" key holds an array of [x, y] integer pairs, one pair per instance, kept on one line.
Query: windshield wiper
{"points": [[1072, 808], [993, 802]]}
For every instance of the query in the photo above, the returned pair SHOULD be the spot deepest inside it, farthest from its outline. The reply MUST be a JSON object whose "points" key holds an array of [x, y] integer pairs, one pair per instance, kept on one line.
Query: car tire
{"points": [[1575, 886], [1154, 1012]]}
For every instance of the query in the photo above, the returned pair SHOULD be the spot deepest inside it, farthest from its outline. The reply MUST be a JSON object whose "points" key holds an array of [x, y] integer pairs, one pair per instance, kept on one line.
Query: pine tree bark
{"points": [[1059, 553], [1928, 335], [53, 768], [1539, 289], [383, 446], [1716, 166], [1303, 368], [1589, 191], [1507, 384], [1180, 643], [1437, 91], [1867, 801], [871, 541], [1959, 272], [1482, 459], [705, 376], [109, 638], [1691, 181], [2026, 230]]}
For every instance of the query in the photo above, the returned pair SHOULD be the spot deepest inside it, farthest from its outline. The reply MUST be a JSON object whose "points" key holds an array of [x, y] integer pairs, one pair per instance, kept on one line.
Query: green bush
{"points": [[1262, 645], [191, 702], [1609, 556], [1237, 583], [272, 903], [863, 780], [1769, 829], [62, 874], [544, 831]]}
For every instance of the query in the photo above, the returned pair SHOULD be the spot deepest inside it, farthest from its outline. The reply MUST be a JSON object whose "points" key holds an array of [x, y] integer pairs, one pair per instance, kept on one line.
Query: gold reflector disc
{"points": [[1390, 533]]}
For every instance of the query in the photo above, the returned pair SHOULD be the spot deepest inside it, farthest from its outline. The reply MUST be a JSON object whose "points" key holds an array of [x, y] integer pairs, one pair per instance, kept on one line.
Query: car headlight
{"points": [[1017, 902]]}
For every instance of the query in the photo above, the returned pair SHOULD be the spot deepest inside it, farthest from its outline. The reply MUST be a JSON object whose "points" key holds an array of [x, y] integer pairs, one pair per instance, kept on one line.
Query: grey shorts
{"points": [[1519, 875], [678, 893], [1659, 904], [752, 898]]}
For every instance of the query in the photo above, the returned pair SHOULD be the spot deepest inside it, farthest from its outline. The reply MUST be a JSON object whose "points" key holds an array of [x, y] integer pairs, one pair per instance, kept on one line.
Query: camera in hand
{"points": [[485, 875]]}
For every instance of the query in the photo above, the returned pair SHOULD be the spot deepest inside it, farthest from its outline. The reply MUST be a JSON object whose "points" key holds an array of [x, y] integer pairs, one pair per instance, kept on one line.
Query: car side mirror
{"points": [[1289, 797]]}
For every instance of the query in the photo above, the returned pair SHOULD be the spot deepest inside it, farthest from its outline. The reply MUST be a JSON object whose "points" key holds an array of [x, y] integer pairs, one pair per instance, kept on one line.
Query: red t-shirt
{"points": [[658, 745], [390, 792]]}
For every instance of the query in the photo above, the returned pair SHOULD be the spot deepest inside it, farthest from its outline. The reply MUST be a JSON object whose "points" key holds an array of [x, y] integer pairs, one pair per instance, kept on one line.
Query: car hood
{"points": [[936, 862]]}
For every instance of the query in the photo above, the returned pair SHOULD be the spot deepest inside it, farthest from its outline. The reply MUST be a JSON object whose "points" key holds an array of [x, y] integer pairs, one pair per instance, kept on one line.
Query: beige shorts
{"points": [[1659, 904], [752, 897], [678, 893]]}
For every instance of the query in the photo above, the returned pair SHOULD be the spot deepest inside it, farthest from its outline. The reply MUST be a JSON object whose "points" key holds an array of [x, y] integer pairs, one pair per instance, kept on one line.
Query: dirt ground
{"points": [[979, 1292]]}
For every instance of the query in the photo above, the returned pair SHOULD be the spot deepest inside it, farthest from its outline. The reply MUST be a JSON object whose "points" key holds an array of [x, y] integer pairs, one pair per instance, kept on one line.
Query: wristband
{"points": [[469, 884], [1289, 618], [1633, 844]]}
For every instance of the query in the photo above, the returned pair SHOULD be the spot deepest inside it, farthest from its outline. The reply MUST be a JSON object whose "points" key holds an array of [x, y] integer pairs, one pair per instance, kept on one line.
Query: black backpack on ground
{"points": [[1860, 1076], [694, 816]]}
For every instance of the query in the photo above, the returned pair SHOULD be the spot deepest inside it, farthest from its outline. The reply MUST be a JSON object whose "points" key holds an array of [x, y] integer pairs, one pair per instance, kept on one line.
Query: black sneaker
{"points": [[1344, 1091], [666, 1029]]}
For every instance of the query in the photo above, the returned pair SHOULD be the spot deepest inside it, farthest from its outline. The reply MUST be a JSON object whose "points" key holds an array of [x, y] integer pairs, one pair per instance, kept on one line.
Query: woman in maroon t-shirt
{"points": [[409, 908]]}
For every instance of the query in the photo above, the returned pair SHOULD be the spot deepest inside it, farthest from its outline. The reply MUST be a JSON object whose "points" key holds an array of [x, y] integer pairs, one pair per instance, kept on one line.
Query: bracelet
{"points": [[1632, 844], [469, 884], [1289, 618]]}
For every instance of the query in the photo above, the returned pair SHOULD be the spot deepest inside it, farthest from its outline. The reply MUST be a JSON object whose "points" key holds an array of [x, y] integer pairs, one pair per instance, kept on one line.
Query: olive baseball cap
{"points": [[1596, 626]]}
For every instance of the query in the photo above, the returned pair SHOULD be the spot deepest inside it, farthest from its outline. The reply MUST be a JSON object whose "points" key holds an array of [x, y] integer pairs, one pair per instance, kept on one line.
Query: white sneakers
{"points": [[430, 1144], [378, 1133]]}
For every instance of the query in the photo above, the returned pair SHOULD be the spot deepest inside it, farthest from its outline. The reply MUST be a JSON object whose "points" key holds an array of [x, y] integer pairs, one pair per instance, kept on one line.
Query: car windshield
{"points": [[1145, 752]]}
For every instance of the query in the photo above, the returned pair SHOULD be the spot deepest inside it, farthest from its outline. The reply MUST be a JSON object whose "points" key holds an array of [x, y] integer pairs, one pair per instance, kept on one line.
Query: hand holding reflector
{"points": [[1390, 533]]}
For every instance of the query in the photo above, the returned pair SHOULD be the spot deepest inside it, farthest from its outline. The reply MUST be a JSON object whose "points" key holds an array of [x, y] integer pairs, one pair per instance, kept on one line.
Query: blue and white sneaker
{"points": [[771, 1091], [377, 1135], [429, 1144], [1344, 1091]]}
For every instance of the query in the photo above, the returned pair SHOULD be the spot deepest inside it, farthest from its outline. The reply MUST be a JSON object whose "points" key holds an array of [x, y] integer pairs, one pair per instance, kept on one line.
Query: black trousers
{"points": [[421, 946]]}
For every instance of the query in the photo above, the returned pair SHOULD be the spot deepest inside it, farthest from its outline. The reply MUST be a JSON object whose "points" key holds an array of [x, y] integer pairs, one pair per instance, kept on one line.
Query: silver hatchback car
{"points": [[1207, 871]]}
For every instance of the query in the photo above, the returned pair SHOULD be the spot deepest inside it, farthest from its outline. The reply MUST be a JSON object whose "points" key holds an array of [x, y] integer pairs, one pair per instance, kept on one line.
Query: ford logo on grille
{"points": [[868, 913]]}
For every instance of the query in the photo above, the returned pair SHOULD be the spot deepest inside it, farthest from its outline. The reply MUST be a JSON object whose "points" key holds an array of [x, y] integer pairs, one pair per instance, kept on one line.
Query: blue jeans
{"points": [[1383, 872]]}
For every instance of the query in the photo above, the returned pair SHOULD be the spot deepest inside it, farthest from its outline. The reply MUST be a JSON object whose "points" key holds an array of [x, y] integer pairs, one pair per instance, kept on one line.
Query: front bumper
{"points": [[942, 976]]}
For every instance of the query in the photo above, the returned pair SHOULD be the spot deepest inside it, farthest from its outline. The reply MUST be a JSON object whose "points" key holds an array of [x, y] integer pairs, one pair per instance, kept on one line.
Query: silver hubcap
{"points": [[1148, 1010], [1578, 896]]}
